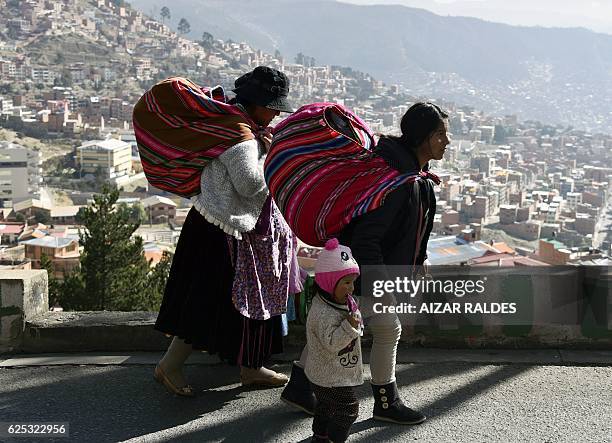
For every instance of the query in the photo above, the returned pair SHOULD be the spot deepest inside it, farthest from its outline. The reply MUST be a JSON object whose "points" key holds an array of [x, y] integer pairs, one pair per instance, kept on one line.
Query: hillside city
{"points": [[513, 193]]}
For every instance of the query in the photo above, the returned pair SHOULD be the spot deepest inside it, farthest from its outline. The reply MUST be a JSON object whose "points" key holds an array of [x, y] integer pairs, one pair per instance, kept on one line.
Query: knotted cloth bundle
{"points": [[180, 127], [322, 171]]}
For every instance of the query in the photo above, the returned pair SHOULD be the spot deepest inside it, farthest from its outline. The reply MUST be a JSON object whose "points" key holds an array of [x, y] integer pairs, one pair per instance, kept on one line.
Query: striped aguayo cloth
{"points": [[180, 127], [321, 179]]}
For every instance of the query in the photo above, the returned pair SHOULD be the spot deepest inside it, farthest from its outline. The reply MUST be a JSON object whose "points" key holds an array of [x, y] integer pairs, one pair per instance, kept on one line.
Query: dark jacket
{"points": [[388, 235]]}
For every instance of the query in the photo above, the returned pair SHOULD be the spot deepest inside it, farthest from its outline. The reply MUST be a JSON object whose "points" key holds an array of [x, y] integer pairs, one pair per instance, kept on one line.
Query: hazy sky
{"points": [[592, 14]]}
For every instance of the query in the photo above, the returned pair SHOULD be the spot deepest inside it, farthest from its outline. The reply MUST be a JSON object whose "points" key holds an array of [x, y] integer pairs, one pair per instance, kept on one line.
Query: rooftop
{"points": [[453, 250], [29, 203], [65, 211], [11, 229], [110, 145], [155, 199], [51, 242], [504, 259]]}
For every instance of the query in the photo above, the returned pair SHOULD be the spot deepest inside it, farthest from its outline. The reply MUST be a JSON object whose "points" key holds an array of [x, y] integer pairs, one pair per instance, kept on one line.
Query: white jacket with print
{"points": [[334, 347]]}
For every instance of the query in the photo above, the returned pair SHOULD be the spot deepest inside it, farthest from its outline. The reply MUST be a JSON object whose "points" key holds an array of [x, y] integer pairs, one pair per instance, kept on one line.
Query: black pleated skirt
{"points": [[197, 305]]}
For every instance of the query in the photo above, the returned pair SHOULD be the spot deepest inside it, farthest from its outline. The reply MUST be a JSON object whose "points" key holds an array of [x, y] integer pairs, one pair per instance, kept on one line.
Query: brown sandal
{"points": [[161, 377], [273, 381]]}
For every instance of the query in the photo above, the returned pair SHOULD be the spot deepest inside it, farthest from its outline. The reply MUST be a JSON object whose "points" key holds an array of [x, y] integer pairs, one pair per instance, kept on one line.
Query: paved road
{"points": [[465, 402]]}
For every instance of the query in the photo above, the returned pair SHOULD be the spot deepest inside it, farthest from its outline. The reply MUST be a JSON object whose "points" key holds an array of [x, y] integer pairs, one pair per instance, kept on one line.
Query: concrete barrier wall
{"points": [[561, 307], [24, 295], [569, 308]]}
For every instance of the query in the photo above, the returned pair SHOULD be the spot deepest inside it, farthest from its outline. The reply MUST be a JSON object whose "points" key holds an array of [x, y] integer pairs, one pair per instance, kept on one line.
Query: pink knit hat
{"points": [[334, 262]]}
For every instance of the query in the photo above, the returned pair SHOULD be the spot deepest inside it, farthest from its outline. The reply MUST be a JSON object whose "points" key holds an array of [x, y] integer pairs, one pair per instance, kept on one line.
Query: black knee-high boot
{"points": [[388, 406], [298, 392]]}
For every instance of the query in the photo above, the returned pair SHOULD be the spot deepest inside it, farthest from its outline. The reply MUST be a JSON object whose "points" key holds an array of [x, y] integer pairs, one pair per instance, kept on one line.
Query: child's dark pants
{"points": [[336, 410]]}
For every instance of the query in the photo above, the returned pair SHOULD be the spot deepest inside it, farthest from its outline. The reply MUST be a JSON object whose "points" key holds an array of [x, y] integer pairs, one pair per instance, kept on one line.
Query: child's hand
{"points": [[353, 320]]}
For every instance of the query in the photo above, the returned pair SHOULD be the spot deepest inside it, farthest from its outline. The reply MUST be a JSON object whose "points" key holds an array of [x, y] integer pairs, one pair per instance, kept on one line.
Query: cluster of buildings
{"points": [[542, 185], [546, 187], [65, 97], [24, 239]]}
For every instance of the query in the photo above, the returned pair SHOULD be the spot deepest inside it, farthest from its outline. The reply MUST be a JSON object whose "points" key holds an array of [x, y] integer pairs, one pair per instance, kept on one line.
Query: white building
{"points": [[20, 173], [113, 158], [6, 105]]}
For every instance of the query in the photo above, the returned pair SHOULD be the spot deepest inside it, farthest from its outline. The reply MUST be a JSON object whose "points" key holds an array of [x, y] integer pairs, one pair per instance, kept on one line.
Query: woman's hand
{"points": [[265, 135]]}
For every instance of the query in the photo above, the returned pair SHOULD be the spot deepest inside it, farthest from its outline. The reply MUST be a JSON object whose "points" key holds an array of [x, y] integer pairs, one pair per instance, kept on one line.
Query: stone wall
{"points": [[24, 295], [560, 307]]}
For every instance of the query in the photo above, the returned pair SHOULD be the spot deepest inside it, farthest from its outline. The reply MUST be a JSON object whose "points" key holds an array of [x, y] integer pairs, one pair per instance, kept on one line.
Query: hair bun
{"points": [[332, 244]]}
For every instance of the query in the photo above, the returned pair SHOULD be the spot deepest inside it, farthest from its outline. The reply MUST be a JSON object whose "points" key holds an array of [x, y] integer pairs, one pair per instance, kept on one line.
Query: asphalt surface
{"points": [[464, 402]]}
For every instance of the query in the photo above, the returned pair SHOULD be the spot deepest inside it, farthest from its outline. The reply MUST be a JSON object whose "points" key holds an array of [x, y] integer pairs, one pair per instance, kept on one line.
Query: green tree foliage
{"points": [[7, 88], [114, 273], [55, 285], [113, 267], [138, 213], [165, 14], [72, 296], [184, 27], [157, 281], [80, 216], [207, 40], [42, 216], [135, 213]]}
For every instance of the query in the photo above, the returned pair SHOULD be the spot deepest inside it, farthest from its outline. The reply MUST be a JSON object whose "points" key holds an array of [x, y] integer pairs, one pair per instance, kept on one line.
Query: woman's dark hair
{"points": [[419, 121]]}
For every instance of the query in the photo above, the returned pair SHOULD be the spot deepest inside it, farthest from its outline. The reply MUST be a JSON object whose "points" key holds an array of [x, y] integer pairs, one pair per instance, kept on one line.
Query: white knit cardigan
{"points": [[233, 188]]}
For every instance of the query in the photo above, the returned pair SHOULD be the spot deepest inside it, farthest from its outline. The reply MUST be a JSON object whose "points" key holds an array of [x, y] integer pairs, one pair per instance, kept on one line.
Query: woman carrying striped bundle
{"points": [[328, 182], [235, 261]]}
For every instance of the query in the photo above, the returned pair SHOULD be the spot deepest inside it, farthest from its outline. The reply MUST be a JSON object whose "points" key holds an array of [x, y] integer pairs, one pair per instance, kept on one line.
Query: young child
{"points": [[333, 328]]}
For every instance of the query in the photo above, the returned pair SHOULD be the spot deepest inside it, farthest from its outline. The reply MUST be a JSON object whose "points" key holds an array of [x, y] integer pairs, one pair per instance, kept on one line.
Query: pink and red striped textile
{"points": [[180, 127], [321, 178]]}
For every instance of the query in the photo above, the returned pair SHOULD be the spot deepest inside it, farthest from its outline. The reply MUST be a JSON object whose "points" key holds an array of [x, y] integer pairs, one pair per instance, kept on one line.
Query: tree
{"points": [[72, 295], [42, 216], [157, 281], [80, 216], [138, 213], [184, 27], [113, 267], [207, 40], [135, 213], [54, 284], [7, 88], [165, 14]]}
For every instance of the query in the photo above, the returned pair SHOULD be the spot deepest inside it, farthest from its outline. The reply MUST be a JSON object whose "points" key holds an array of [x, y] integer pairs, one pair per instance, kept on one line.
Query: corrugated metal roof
{"points": [[453, 250], [50, 242]]}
